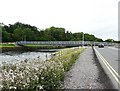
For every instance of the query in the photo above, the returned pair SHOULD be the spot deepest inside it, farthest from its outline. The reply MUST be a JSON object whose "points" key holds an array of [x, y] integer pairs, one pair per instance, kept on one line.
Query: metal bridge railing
{"points": [[64, 43]]}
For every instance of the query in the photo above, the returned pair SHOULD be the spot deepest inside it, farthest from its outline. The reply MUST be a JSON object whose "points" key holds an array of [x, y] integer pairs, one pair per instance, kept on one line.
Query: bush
{"points": [[39, 74]]}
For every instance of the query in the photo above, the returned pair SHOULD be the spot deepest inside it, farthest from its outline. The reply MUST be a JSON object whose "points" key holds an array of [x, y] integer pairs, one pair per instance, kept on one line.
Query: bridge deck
{"points": [[65, 43]]}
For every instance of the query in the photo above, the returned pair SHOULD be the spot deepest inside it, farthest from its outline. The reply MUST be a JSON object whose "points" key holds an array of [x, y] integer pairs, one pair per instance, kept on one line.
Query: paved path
{"points": [[86, 73]]}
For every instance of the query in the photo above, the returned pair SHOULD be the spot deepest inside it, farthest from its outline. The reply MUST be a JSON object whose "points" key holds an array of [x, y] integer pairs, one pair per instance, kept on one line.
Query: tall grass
{"points": [[39, 74]]}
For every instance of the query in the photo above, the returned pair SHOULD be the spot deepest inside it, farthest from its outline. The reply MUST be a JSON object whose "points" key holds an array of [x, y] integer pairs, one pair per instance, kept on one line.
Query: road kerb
{"points": [[107, 67]]}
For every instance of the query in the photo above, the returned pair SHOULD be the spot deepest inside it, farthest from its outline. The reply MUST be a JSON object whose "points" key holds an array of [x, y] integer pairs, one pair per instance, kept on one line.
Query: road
{"points": [[109, 57]]}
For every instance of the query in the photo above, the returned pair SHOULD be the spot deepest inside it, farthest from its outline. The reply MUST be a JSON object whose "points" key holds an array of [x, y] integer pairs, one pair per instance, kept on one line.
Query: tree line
{"points": [[26, 32]]}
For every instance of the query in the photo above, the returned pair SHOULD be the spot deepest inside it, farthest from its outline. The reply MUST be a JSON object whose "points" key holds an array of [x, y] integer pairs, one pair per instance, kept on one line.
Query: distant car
{"points": [[101, 45]]}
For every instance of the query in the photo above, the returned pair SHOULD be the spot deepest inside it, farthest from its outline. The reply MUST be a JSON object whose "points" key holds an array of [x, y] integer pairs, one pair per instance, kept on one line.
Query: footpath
{"points": [[86, 73]]}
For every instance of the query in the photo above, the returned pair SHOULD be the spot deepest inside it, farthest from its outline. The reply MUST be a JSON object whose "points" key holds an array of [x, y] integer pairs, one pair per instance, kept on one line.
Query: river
{"points": [[13, 57]]}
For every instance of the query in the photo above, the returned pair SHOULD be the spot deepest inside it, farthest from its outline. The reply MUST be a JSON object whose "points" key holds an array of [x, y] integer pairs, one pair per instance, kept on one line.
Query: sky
{"points": [[97, 17]]}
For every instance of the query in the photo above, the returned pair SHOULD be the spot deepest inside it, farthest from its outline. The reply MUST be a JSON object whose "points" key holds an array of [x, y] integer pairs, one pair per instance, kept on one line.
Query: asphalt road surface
{"points": [[109, 58]]}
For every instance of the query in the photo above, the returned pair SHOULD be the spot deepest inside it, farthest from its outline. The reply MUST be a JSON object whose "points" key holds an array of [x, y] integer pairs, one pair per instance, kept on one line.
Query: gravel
{"points": [[86, 73]]}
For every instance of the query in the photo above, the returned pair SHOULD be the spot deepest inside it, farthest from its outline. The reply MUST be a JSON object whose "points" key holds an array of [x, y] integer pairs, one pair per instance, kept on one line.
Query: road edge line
{"points": [[113, 72], [107, 68], [108, 64]]}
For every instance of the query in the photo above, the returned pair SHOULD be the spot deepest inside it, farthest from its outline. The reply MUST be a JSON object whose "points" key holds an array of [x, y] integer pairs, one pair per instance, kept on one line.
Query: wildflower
{"points": [[39, 87], [42, 77], [1, 86], [12, 87]]}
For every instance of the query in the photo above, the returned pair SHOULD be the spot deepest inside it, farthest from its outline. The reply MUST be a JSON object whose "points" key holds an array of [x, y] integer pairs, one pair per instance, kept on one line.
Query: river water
{"points": [[13, 57]]}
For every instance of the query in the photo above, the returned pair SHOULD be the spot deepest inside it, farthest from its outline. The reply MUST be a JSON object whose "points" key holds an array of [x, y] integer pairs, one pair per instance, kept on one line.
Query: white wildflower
{"points": [[42, 77], [39, 87], [12, 87], [1, 86]]}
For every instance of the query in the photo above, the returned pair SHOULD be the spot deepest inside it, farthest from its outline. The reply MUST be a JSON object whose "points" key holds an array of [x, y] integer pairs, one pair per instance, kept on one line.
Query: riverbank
{"points": [[2, 45], [39, 74], [29, 48]]}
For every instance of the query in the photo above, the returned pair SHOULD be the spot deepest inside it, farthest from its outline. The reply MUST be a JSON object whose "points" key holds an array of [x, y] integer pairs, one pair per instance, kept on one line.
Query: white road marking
{"points": [[112, 71]]}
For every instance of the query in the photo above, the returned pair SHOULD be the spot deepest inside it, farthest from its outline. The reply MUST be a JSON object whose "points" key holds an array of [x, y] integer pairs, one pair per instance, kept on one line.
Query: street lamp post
{"points": [[83, 40]]}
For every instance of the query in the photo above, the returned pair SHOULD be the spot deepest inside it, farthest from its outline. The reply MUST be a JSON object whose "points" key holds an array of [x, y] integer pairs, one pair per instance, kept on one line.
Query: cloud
{"points": [[98, 17]]}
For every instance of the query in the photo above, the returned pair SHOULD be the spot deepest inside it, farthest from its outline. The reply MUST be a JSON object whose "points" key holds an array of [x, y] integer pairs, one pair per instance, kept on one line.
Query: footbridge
{"points": [[61, 43]]}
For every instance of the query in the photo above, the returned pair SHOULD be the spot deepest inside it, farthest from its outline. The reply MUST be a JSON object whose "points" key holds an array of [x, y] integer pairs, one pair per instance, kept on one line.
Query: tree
{"points": [[0, 33], [98, 40], [21, 32], [77, 36], [109, 40], [6, 37], [55, 33], [88, 37], [68, 36]]}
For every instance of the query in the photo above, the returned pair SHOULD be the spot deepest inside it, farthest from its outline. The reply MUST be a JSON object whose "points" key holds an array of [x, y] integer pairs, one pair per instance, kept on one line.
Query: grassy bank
{"points": [[39, 74], [6, 45], [43, 46], [29, 47], [32, 45]]}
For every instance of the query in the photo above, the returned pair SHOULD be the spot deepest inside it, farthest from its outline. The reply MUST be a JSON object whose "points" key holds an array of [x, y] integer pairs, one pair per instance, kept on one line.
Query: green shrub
{"points": [[39, 74]]}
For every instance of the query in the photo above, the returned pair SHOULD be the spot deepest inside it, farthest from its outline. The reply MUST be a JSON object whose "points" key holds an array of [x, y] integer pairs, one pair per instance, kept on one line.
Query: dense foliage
{"points": [[38, 74], [20, 32], [109, 40]]}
